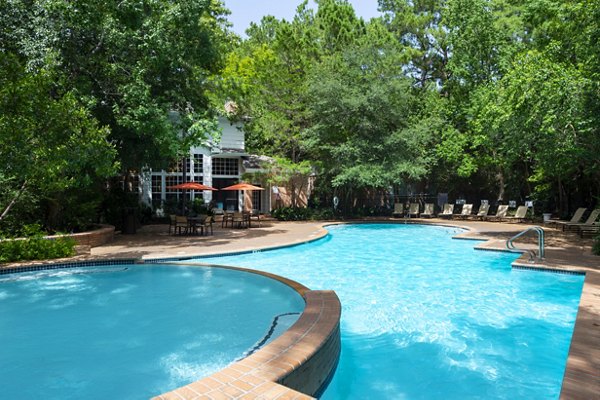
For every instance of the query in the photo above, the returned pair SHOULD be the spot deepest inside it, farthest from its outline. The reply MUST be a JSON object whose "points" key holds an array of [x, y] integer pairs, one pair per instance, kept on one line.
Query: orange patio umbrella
{"points": [[191, 186], [243, 186]]}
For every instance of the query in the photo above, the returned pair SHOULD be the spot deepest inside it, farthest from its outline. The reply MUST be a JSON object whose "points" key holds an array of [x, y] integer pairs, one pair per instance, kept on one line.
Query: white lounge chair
{"points": [[428, 210], [520, 214], [398, 210], [466, 211], [448, 211], [500, 213], [576, 219], [413, 210], [484, 208], [589, 222]]}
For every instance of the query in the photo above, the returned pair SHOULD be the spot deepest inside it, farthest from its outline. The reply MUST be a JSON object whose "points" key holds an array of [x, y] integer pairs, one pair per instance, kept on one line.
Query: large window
{"points": [[225, 166], [198, 167], [156, 190]]}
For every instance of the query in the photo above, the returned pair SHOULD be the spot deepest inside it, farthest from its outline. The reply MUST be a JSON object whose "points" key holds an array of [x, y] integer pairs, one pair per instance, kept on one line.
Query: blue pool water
{"points": [[428, 317], [130, 331]]}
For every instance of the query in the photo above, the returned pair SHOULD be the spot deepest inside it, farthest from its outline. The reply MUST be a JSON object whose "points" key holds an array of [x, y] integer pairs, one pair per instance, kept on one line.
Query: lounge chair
{"points": [[589, 222], [428, 210], [577, 218], [448, 211], [482, 213], [398, 210], [589, 230], [500, 213], [466, 211], [413, 210], [520, 214]]}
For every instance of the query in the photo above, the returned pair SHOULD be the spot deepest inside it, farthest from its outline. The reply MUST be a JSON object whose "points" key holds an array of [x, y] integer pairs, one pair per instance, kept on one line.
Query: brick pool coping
{"points": [[583, 364], [294, 366]]}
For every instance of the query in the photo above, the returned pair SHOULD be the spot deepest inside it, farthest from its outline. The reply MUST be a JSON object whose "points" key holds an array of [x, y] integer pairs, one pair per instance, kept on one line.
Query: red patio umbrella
{"points": [[191, 186]]}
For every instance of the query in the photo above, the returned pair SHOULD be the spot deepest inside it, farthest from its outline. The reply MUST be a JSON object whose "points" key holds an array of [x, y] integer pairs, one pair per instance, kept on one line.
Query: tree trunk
{"points": [[183, 192], [500, 177], [14, 200]]}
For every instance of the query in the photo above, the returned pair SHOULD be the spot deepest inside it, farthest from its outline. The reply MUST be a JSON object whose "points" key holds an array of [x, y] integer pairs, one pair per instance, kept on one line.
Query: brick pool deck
{"points": [[564, 251]]}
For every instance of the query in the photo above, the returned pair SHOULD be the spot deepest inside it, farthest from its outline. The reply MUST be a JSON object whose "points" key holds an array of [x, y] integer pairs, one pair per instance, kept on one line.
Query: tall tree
{"points": [[49, 141], [134, 62]]}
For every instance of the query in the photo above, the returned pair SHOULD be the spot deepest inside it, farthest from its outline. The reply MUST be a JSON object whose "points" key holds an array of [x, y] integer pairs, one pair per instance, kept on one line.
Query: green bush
{"points": [[33, 246], [596, 246], [302, 214], [291, 214]]}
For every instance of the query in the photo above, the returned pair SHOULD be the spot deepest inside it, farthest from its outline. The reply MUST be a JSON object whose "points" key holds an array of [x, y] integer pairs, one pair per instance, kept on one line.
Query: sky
{"points": [[245, 11]]}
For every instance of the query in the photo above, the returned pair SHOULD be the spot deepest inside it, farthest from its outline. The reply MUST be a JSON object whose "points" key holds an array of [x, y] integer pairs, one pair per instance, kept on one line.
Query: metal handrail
{"points": [[540, 256]]}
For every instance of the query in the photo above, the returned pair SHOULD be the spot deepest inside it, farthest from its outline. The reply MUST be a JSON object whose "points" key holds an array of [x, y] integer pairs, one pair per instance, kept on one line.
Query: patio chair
{"points": [[181, 223], [254, 215], [398, 210], [227, 218], [500, 213], [428, 210], [448, 211], [589, 222], [172, 223], [240, 219], [466, 211], [413, 210], [205, 223], [577, 218], [520, 214]]}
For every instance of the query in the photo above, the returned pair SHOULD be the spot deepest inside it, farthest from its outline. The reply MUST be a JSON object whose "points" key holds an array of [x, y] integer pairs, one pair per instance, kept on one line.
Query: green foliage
{"points": [[34, 246], [50, 144], [291, 213]]}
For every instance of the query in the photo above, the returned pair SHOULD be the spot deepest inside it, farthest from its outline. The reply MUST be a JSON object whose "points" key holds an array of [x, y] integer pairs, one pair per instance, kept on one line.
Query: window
{"points": [[198, 159], [156, 190], [225, 166], [175, 166], [172, 181], [256, 200]]}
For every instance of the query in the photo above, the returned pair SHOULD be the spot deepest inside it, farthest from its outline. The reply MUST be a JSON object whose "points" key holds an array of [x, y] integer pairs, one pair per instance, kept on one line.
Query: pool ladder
{"points": [[532, 254]]}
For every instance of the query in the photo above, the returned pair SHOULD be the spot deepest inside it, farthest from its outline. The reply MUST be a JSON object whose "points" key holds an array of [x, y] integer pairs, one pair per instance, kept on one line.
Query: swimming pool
{"points": [[425, 316], [131, 331]]}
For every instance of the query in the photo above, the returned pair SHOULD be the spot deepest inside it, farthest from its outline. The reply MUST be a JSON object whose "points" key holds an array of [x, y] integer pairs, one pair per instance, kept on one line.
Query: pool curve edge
{"points": [[296, 365]]}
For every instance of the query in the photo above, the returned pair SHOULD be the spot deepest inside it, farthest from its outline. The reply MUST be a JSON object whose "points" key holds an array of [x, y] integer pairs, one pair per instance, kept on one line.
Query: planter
{"points": [[103, 234], [547, 217]]}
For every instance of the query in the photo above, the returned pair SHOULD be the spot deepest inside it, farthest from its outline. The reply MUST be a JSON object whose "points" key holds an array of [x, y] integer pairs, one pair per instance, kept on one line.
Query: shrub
{"points": [[596, 246], [291, 214], [33, 246]]}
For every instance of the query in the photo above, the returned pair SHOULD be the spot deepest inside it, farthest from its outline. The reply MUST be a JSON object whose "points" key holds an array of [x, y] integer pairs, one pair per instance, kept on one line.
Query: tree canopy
{"points": [[488, 99], [493, 99]]}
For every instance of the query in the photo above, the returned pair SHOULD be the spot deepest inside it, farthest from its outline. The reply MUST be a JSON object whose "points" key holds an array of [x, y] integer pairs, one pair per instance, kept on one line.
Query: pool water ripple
{"points": [[130, 334], [425, 316]]}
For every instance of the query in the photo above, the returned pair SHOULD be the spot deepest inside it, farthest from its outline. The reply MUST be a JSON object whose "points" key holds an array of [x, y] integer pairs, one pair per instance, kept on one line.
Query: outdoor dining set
{"points": [[203, 224]]}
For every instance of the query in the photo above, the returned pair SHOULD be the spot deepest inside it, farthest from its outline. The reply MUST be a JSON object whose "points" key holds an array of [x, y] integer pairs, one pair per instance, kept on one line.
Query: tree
{"points": [[49, 142], [134, 62]]}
